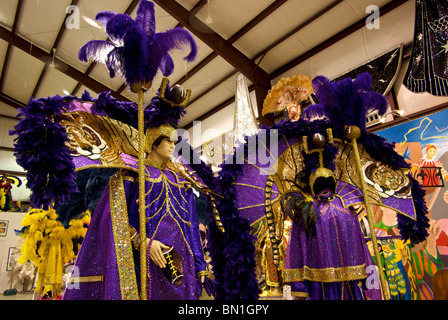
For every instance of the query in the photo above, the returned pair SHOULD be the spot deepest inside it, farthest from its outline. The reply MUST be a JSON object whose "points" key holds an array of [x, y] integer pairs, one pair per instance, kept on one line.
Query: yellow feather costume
{"points": [[2, 198], [49, 245]]}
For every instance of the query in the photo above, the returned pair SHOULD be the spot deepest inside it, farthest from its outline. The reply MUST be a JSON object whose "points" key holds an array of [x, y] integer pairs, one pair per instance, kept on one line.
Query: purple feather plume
{"points": [[146, 18], [324, 90], [136, 51], [345, 102], [49, 166], [104, 16], [39, 146]]}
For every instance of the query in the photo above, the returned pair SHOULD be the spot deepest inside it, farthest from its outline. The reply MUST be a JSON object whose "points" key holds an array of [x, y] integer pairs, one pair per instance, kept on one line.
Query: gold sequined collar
{"points": [[156, 164]]}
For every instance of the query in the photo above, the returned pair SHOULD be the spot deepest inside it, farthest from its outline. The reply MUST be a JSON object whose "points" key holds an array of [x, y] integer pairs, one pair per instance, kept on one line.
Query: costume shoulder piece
{"points": [[59, 136]]}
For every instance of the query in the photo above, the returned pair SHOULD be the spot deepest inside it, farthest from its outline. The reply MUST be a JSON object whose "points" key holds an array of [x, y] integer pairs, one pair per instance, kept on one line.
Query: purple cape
{"points": [[333, 264], [107, 251]]}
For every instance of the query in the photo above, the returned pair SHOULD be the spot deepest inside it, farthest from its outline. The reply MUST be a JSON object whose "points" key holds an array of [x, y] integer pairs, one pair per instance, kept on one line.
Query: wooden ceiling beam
{"points": [[87, 72], [385, 9], [298, 28], [198, 6], [216, 109], [15, 173], [60, 65], [9, 117], [337, 37], [262, 15], [259, 18], [211, 112], [132, 6], [54, 47], [213, 86], [233, 56], [11, 101], [8, 50], [240, 33], [224, 48]]}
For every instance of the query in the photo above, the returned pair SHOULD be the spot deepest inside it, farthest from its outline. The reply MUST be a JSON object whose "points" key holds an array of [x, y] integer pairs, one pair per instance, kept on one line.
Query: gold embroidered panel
{"points": [[122, 240]]}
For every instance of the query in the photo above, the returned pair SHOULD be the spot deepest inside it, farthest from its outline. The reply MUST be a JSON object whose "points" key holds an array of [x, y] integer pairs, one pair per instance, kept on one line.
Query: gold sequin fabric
{"points": [[123, 246]]}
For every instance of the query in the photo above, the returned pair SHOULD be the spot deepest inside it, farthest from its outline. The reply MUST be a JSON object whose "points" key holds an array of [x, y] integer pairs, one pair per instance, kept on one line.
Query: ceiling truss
{"points": [[249, 67], [222, 49]]}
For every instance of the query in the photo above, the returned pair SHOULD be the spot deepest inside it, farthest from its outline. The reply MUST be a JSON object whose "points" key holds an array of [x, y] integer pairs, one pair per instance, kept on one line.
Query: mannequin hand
{"points": [[155, 253]]}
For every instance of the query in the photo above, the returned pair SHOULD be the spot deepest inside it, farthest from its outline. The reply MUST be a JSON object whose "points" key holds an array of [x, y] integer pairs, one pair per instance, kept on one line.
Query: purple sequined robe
{"points": [[335, 263], [107, 253]]}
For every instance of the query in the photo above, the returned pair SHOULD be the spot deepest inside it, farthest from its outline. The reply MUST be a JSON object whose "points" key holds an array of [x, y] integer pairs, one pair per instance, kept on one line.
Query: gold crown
{"points": [[152, 134]]}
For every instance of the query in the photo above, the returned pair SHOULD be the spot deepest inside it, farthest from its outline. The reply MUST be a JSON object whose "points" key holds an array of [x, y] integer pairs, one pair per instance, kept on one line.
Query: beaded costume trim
{"points": [[122, 241], [326, 274]]}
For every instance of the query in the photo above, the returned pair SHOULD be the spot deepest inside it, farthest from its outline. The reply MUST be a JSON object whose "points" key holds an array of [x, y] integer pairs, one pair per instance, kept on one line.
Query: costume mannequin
{"points": [[108, 263], [319, 188], [161, 235], [327, 258], [160, 153], [5, 194]]}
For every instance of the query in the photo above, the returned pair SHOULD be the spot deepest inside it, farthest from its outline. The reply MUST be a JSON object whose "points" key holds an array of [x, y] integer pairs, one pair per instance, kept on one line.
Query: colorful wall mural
{"points": [[423, 142]]}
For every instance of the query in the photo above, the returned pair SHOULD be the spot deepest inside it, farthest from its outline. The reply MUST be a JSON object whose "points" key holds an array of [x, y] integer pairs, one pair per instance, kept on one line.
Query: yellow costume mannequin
{"points": [[49, 246]]}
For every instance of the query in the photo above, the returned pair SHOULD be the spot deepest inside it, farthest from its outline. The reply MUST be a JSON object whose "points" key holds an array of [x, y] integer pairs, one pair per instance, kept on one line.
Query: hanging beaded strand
{"points": [[148, 261]]}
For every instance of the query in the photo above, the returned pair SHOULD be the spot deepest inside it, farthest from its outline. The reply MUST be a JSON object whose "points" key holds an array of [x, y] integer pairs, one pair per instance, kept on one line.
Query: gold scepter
{"points": [[138, 67], [352, 133], [140, 89]]}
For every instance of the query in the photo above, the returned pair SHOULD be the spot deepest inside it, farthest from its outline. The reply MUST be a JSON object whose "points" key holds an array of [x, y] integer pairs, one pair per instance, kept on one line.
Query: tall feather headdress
{"points": [[135, 50], [346, 102]]}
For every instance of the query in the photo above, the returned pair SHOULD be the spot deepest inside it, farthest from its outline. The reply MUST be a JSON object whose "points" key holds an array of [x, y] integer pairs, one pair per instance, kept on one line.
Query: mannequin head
{"points": [[162, 149]]}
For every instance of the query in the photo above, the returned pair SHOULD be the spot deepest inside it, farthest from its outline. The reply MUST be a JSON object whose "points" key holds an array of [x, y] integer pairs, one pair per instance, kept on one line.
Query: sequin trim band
{"points": [[326, 274], [300, 294], [202, 273], [86, 279], [123, 247]]}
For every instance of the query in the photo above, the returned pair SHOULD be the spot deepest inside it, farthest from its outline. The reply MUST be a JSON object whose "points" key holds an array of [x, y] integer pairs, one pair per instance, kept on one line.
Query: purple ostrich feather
{"points": [[346, 102], [135, 50]]}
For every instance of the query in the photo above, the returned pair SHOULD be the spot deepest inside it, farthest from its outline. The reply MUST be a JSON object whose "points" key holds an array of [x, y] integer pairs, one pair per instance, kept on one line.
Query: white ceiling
{"points": [[39, 22]]}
